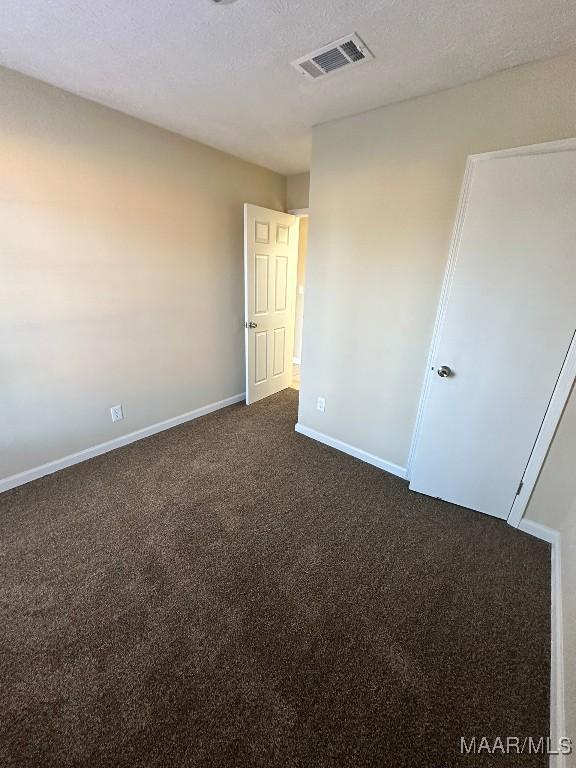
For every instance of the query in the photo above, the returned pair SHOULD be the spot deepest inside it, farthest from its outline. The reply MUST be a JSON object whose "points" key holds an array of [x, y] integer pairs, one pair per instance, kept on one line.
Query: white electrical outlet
{"points": [[321, 404], [117, 413]]}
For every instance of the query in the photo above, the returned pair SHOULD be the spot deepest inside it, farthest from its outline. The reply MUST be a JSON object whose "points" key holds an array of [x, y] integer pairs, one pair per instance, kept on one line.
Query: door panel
{"points": [[279, 351], [260, 357], [261, 283], [262, 232], [270, 263], [281, 292], [282, 234], [508, 321]]}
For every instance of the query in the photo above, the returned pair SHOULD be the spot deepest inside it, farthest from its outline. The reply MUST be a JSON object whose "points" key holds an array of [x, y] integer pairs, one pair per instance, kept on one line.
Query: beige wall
{"points": [[384, 191], [297, 187], [121, 267]]}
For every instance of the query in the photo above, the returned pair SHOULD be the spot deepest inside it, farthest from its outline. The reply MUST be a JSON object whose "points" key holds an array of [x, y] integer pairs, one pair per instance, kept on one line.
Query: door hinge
{"points": [[519, 487]]}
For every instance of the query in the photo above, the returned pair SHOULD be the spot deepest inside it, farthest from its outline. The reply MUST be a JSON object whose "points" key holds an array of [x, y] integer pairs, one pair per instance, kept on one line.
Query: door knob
{"points": [[444, 371], [251, 325]]}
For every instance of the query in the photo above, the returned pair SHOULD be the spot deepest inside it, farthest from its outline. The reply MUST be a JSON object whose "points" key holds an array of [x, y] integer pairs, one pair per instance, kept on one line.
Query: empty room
{"points": [[287, 384]]}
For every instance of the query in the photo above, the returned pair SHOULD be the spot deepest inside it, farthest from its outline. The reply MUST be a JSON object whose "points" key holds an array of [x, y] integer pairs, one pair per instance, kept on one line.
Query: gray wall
{"points": [[297, 188]]}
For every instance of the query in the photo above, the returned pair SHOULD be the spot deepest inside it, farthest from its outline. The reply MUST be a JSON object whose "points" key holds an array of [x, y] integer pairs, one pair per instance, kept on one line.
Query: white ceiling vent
{"points": [[346, 52]]}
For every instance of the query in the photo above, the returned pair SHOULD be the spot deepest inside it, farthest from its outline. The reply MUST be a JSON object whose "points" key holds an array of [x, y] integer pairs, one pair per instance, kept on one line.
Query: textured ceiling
{"points": [[222, 74]]}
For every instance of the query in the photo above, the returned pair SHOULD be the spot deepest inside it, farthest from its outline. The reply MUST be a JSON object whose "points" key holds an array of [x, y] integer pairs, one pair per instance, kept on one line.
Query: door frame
{"points": [[567, 376], [246, 241], [300, 213]]}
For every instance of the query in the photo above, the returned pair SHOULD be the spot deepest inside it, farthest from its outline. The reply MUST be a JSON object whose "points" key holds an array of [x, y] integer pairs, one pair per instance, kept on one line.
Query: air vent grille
{"points": [[346, 52], [332, 59], [311, 69], [352, 51]]}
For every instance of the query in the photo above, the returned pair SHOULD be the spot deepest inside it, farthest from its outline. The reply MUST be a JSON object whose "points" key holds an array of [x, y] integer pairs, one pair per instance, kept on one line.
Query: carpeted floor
{"points": [[229, 594]]}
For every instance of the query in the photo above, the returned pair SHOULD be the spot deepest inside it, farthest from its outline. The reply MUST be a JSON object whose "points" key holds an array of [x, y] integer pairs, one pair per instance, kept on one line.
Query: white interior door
{"points": [[505, 326], [270, 264]]}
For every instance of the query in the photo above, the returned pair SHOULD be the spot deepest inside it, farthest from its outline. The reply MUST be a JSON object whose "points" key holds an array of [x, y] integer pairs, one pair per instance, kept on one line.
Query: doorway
{"points": [[299, 298], [273, 291]]}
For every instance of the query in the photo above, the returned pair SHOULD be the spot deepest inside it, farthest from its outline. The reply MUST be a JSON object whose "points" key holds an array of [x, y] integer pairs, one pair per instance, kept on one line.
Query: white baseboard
{"points": [[351, 450], [539, 531], [557, 707], [88, 453]]}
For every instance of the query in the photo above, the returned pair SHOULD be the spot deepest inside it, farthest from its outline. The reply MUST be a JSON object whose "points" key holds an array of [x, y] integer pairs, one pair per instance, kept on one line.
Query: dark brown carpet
{"points": [[229, 593]]}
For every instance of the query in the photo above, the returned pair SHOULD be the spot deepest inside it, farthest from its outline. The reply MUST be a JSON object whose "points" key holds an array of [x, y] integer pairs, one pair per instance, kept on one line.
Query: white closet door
{"points": [[509, 318]]}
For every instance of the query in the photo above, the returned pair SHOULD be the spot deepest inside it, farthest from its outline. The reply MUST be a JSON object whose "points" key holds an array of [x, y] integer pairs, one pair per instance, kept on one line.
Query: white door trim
{"points": [[550, 423], [557, 685], [568, 373]]}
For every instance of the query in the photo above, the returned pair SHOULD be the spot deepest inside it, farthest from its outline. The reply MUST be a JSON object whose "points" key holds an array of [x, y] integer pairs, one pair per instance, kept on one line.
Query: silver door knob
{"points": [[251, 325], [444, 371]]}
